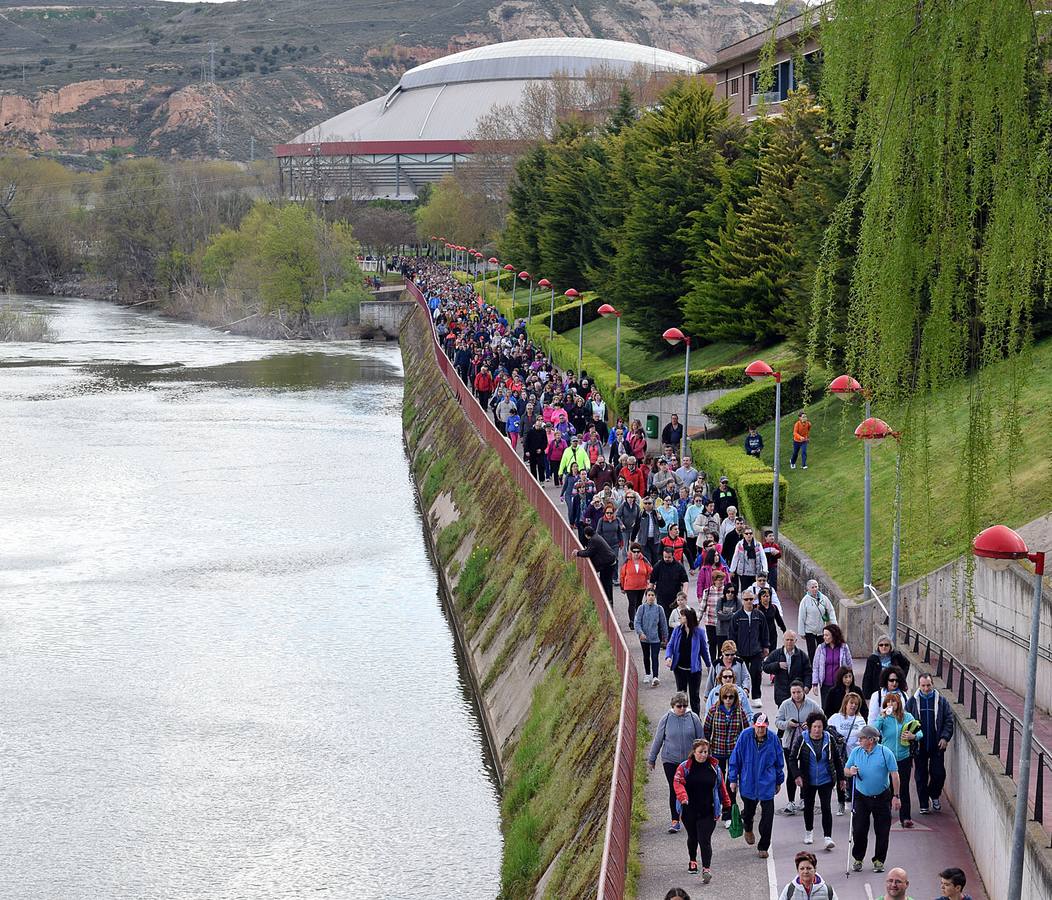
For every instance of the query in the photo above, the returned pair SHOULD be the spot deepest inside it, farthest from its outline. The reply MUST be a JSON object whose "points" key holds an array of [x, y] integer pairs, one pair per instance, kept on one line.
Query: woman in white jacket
{"points": [[816, 611]]}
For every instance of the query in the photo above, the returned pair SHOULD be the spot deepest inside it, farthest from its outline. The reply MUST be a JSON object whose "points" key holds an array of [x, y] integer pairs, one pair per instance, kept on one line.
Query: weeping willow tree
{"points": [[946, 106]]}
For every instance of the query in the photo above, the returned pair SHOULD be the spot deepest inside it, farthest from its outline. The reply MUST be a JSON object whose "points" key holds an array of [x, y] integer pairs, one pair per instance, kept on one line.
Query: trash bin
{"points": [[652, 426]]}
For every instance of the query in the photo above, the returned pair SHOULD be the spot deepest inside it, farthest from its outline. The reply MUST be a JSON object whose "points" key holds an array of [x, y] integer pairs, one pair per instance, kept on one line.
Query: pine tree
{"points": [[624, 113], [753, 282]]}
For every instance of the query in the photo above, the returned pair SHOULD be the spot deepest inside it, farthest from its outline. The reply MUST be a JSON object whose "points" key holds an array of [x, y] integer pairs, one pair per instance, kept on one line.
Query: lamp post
{"points": [[545, 283], [997, 546], [674, 336], [511, 269], [573, 295], [526, 276], [844, 387], [493, 261], [605, 311], [876, 431], [758, 371]]}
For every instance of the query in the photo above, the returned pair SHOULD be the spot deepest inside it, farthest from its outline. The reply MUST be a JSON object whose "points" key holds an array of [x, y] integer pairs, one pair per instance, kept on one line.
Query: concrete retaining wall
{"points": [[664, 407], [384, 316]]}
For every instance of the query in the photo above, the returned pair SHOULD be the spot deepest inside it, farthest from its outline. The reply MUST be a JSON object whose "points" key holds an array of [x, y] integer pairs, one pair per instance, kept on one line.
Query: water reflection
{"points": [[224, 671]]}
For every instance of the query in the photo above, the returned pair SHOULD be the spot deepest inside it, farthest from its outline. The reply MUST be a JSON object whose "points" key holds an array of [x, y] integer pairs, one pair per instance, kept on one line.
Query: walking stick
{"points": [[850, 829]]}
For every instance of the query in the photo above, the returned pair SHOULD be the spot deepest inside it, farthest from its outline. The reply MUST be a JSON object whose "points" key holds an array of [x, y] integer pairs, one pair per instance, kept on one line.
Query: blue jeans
{"points": [[799, 446]]}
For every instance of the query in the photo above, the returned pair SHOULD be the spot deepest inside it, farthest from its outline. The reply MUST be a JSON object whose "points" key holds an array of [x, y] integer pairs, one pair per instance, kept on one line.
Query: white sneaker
{"points": [[790, 809], [654, 681], [840, 809], [809, 837], [646, 679], [757, 704], [792, 465], [727, 824], [830, 843]]}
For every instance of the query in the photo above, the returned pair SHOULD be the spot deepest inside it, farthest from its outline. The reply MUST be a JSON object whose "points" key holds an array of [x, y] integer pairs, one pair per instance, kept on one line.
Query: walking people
{"points": [[534, 445], [748, 560], [724, 724], [843, 684], [898, 732], [892, 681], [702, 795], [874, 794], [933, 712], [652, 629], [808, 884], [830, 656], [668, 577], [765, 605], [816, 611], [883, 656], [686, 652], [787, 664], [682, 602], [896, 885], [726, 676], [634, 578], [750, 633], [951, 885], [674, 736], [757, 767], [725, 497], [773, 552], [801, 438], [729, 659], [604, 560], [648, 531], [727, 608], [847, 724], [816, 766], [789, 720]]}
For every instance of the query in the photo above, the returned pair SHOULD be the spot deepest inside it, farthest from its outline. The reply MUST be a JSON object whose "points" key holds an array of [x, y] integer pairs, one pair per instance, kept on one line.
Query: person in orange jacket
{"points": [[634, 578], [801, 437]]}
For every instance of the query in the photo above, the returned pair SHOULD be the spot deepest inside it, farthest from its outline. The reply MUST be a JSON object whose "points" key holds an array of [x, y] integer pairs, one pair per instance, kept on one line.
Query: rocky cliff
{"points": [[230, 79]]}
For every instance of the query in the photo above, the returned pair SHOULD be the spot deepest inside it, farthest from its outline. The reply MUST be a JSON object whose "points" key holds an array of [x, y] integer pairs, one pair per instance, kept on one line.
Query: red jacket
{"points": [[631, 580], [679, 784], [484, 382], [635, 479]]}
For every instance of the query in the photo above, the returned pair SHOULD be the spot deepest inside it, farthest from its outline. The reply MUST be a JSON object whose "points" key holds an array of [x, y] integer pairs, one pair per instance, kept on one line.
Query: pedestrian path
{"points": [[936, 842]]}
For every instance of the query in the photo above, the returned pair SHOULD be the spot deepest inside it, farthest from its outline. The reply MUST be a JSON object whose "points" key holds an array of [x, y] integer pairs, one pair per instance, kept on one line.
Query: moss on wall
{"points": [[549, 686]]}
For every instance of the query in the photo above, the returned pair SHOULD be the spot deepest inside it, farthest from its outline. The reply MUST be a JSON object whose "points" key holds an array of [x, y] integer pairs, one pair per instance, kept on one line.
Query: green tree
{"points": [[527, 199], [458, 212], [624, 113], [753, 282]]}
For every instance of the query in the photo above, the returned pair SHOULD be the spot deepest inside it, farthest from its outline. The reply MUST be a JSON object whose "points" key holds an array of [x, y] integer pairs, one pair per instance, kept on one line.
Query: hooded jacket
{"points": [[758, 769], [801, 754], [674, 737]]}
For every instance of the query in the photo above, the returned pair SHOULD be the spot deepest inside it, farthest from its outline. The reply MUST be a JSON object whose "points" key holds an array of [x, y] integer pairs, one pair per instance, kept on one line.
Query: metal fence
{"points": [[996, 721], [614, 867]]}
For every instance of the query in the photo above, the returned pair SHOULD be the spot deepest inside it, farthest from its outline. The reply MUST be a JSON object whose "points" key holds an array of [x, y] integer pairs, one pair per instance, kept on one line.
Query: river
{"points": [[225, 671]]}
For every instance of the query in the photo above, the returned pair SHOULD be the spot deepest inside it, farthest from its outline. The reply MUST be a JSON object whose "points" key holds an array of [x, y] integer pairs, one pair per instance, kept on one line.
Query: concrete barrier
{"points": [[384, 317]]}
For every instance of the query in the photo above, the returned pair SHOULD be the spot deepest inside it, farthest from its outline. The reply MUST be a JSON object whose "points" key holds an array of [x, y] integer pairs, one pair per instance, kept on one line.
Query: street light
{"points": [[758, 371], [605, 311], [674, 336], [997, 546], [545, 283], [493, 261], [844, 387], [509, 268], [573, 295], [526, 276], [874, 432]]}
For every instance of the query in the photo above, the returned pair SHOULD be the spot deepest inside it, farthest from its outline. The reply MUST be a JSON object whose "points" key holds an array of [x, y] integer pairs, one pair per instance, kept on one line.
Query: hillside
{"points": [[84, 77]]}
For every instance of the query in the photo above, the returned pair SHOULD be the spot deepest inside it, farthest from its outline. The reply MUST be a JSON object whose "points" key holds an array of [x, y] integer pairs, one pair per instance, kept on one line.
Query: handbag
{"points": [[737, 829]]}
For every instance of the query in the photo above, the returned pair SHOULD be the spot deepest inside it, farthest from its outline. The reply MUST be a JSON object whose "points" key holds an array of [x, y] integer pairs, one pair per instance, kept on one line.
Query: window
{"points": [[735, 86], [784, 81]]}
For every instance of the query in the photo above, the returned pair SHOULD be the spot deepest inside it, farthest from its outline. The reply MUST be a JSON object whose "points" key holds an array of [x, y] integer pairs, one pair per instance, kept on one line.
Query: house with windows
{"points": [[797, 58]]}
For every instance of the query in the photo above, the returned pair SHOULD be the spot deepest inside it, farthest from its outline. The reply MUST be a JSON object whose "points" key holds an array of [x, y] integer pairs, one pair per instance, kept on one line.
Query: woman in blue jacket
{"points": [[687, 650]]}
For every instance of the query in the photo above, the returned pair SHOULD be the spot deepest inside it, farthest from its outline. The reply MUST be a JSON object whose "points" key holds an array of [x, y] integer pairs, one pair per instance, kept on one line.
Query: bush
{"points": [[749, 476], [566, 316], [700, 380], [754, 403]]}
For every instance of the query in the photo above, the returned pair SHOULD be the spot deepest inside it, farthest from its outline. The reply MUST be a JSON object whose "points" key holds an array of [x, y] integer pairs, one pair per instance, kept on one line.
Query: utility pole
{"points": [[252, 148], [212, 62]]}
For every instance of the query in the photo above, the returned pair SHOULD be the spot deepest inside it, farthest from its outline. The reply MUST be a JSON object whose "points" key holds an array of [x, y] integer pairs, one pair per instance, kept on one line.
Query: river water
{"points": [[224, 668]]}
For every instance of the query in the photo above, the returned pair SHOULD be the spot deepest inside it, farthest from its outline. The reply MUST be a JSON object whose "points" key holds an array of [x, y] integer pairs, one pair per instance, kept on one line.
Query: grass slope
{"points": [[600, 338], [825, 504]]}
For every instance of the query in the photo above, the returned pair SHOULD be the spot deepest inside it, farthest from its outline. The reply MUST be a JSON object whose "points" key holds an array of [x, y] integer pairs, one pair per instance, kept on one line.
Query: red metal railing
{"points": [[614, 867]]}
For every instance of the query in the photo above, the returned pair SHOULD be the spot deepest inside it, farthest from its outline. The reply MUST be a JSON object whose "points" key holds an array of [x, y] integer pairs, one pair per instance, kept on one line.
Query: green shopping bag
{"points": [[737, 829]]}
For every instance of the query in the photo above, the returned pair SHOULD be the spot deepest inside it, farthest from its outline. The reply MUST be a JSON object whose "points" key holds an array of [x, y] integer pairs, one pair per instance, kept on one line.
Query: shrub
{"points": [[566, 316], [754, 403], [749, 476], [700, 380]]}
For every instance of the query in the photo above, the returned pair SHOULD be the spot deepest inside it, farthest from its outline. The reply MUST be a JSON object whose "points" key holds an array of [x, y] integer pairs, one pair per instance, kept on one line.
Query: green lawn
{"points": [[600, 338], [825, 508]]}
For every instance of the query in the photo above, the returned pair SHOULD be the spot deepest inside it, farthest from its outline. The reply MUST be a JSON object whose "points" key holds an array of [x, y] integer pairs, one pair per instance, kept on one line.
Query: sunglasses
{"points": [[680, 706], [893, 681]]}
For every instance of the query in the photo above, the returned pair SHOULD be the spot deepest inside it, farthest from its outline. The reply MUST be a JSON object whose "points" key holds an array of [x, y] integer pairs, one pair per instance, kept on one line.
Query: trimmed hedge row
{"points": [[750, 477], [567, 316], [700, 380], [754, 403]]}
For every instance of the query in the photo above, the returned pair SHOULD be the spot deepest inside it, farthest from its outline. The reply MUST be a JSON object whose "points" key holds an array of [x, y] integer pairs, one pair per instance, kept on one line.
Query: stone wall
{"points": [[384, 316]]}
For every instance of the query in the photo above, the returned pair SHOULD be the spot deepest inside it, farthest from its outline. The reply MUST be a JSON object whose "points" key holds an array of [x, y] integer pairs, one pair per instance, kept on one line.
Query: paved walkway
{"points": [[935, 843]]}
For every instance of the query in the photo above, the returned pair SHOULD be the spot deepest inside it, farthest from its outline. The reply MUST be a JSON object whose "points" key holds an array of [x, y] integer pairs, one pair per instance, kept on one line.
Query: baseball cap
{"points": [[761, 719], [868, 731]]}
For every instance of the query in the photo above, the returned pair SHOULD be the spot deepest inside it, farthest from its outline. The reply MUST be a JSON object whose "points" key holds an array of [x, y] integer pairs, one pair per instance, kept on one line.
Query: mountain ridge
{"points": [[232, 79]]}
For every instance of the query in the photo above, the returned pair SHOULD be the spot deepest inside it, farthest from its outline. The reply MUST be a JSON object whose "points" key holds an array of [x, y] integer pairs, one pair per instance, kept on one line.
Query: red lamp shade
{"points": [[449, 246], [874, 429], [759, 370], [509, 268], [544, 283], [524, 275], [673, 336], [998, 545], [573, 293], [434, 238], [606, 310], [494, 261], [844, 387]]}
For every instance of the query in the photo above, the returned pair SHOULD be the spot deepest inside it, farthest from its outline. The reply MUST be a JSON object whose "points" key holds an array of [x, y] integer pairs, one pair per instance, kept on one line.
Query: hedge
{"points": [[754, 403], [749, 476], [567, 316], [700, 380]]}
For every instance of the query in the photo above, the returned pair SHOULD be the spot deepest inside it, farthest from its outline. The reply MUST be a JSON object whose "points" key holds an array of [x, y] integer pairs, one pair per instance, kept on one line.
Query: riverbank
{"points": [[544, 671]]}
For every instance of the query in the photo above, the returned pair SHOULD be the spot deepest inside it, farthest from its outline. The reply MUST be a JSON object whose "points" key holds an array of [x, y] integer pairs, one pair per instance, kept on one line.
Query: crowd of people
{"points": [[701, 596]]}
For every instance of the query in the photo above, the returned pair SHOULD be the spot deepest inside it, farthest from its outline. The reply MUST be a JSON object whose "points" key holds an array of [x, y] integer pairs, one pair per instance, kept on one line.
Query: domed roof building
{"points": [[422, 129]]}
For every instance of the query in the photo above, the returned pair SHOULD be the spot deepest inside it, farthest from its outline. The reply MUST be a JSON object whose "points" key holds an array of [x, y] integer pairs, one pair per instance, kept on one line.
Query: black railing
{"points": [[974, 695]]}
